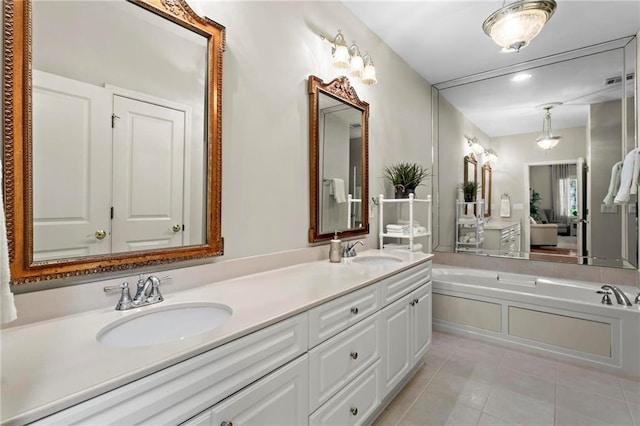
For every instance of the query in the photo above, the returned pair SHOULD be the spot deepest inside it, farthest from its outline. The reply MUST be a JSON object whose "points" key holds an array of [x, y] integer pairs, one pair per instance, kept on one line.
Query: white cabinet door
{"points": [[148, 168], [396, 343], [279, 399], [421, 324]]}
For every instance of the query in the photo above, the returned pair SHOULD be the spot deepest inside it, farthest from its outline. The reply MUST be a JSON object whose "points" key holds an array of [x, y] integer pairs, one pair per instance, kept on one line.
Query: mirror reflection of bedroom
{"points": [[555, 209]]}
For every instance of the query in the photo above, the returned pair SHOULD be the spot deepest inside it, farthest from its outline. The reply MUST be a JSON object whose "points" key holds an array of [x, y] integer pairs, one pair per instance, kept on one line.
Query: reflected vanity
{"points": [[111, 162], [338, 160]]}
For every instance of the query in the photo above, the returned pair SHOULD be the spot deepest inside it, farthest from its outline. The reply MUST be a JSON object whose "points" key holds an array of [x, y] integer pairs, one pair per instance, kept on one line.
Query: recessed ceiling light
{"points": [[521, 77]]}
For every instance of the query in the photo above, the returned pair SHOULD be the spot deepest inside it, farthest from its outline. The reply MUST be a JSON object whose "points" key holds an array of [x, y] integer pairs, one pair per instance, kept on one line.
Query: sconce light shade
{"points": [[369, 74], [357, 64], [340, 52], [492, 156], [546, 140], [513, 26], [475, 146]]}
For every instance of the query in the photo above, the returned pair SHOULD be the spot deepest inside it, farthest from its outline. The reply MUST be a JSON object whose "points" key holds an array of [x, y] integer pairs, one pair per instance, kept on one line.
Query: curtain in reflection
{"points": [[560, 189]]}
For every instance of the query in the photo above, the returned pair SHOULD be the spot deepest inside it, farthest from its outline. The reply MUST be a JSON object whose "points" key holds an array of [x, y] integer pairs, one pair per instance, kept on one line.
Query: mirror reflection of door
{"points": [[109, 171], [556, 198], [340, 158]]}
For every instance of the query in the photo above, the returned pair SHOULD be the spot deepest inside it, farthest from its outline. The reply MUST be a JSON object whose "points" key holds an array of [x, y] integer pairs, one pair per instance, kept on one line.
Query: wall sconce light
{"points": [[474, 145], [350, 57], [490, 154]]}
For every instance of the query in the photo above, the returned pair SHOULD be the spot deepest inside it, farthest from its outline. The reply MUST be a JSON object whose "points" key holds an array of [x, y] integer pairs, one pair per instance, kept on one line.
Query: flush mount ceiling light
{"points": [[360, 66], [513, 26], [546, 140]]}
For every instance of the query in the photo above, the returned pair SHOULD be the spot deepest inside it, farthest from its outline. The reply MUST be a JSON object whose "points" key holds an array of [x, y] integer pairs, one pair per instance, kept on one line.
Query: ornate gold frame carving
{"points": [[486, 188], [18, 162], [340, 88]]}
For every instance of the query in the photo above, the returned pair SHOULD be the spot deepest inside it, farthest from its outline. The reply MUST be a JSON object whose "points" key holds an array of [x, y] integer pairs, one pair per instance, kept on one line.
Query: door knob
{"points": [[100, 234], [176, 228]]}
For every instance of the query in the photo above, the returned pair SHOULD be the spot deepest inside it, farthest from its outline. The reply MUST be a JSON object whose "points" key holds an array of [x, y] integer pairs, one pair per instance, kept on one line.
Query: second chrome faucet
{"points": [[349, 249], [147, 293]]}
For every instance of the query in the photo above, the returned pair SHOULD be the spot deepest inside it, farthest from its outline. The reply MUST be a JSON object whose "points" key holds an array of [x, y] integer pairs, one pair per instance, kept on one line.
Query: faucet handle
{"points": [[125, 297], [606, 299], [154, 294]]}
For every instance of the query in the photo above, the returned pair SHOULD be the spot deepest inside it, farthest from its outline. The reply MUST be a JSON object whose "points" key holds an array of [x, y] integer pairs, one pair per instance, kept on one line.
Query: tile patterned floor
{"points": [[468, 382]]}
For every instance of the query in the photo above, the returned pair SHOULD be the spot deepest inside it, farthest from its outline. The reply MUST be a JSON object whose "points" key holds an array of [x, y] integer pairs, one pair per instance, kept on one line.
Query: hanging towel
{"points": [[338, 190], [505, 207], [628, 182], [7, 306], [614, 183]]}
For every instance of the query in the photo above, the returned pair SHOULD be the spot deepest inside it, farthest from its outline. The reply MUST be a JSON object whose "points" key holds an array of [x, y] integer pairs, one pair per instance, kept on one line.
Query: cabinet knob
{"points": [[226, 424], [354, 411], [354, 310], [354, 355], [416, 301], [412, 303]]}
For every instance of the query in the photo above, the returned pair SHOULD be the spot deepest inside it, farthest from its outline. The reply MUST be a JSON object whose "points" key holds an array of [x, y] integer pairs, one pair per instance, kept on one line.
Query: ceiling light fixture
{"points": [[349, 57], [513, 26], [546, 140], [520, 77]]}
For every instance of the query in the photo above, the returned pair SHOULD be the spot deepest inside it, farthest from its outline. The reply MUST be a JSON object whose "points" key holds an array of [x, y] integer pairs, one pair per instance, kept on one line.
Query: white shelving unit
{"points": [[411, 235], [469, 226]]}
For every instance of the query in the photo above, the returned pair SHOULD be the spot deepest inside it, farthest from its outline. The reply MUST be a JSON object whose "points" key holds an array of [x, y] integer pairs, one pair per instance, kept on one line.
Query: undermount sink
{"points": [[376, 260], [164, 324]]}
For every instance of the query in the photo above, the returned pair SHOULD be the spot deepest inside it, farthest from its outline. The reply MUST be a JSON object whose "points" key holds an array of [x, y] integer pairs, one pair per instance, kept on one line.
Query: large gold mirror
{"points": [[338, 160], [486, 188], [112, 136]]}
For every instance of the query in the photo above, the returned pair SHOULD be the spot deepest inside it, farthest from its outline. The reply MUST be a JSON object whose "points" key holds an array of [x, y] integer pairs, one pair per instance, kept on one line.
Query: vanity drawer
{"points": [[337, 361], [395, 287], [354, 404], [183, 390], [331, 318]]}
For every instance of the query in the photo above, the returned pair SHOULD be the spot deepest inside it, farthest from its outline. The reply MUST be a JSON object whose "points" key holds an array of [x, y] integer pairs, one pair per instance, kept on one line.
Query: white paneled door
{"points": [[148, 169], [71, 157]]}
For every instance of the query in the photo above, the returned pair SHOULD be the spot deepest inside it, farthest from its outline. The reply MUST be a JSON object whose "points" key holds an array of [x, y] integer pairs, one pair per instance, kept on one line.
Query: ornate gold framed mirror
{"points": [[112, 138], [470, 169], [338, 160], [486, 188]]}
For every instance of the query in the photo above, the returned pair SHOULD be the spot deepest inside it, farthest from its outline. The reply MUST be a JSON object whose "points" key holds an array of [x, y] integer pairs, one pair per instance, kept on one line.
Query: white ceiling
{"points": [[443, 41]]}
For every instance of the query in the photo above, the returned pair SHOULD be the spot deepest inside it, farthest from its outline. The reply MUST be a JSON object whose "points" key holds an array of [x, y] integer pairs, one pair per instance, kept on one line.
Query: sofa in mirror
{"points": [[596, 117], [338, 160], [112, 137]]}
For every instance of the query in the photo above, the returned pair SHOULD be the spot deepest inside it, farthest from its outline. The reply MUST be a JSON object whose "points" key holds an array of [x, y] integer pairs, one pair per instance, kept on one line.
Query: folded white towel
{"points": [[7, 306], [396, 227], [627, 178], [338, 190], [614, 183], [416, 247], [505, 207], [406, 222]]}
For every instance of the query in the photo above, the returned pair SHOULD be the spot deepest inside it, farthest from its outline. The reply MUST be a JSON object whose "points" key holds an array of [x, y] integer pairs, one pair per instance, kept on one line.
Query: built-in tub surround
{"points": [[561, 318], [597, 274], [50, 365]]}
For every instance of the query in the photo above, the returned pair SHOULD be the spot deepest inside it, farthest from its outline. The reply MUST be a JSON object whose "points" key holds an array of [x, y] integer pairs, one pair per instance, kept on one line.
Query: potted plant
{"points": [[470, 190], [533, 208], [405, 177]]}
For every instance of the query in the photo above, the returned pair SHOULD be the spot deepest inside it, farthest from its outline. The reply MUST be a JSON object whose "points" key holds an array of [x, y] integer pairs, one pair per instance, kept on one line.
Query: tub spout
{"points": [[621, 298]]}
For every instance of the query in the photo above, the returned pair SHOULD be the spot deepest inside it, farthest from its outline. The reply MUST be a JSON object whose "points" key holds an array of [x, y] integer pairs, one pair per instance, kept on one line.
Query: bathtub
{"points": [[564, 319]]}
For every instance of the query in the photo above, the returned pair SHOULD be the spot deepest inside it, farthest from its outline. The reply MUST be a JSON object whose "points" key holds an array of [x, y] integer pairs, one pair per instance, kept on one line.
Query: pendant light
{"points": [[546, 140]]}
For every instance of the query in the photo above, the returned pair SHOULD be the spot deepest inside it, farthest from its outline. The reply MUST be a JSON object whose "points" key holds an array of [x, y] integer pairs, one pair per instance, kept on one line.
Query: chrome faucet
{"points": [[621, 298], [349, 250], [147, 293]]}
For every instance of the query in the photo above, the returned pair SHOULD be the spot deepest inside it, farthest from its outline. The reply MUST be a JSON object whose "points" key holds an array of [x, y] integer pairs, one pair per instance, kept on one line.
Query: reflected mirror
{"points": [[595, 113], [121, 150], [338, 160], [470, 169], [486, 188]]}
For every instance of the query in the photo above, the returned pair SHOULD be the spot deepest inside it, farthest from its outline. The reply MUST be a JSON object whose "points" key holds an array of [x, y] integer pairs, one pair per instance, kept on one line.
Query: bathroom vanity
{"points": [[316, 343]]}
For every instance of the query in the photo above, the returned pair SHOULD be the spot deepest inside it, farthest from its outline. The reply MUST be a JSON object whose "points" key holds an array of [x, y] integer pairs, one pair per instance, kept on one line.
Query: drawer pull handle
{"points": [[354, 411], [416, 301], [412, 303], [354, 310], [226, 424], [354, 355]]}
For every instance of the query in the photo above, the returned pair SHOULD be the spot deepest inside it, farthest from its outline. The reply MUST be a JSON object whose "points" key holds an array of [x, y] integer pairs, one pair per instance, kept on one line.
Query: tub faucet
{"points": [[621, 298], [349, 250]]}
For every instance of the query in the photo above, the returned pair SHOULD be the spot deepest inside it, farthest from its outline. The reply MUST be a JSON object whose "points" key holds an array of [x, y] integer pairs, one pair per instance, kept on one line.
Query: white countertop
{"points": [[51, 365]]}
